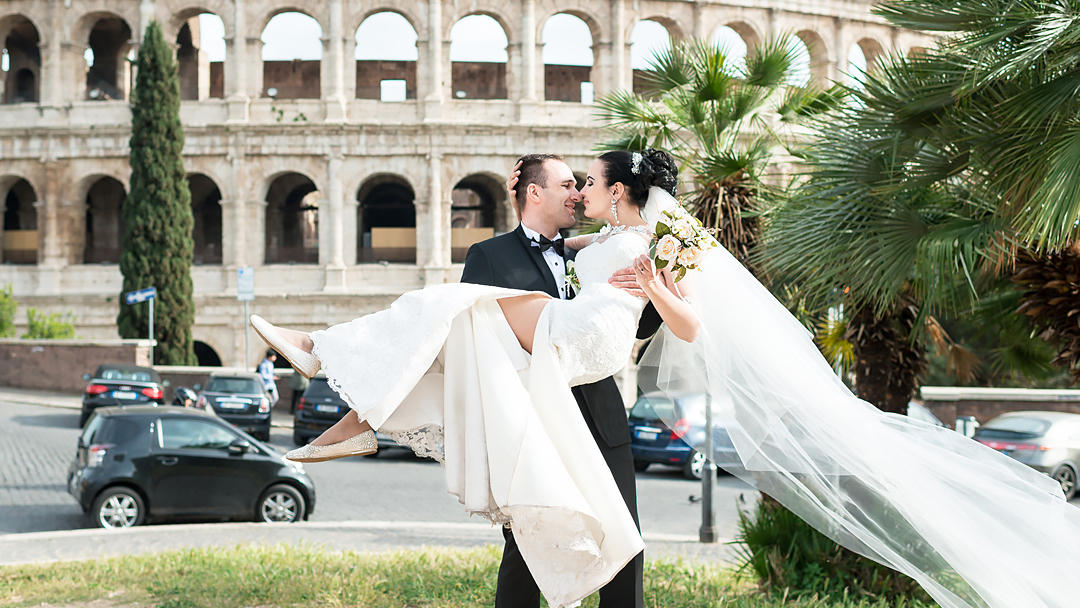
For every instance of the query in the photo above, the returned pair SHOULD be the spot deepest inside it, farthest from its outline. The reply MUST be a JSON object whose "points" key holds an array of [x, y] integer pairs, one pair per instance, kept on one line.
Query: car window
{"points": [[1020, 425], [234, 385], [653, 408], [126, 375], [319, 387], [108, 429], [186, 433]]}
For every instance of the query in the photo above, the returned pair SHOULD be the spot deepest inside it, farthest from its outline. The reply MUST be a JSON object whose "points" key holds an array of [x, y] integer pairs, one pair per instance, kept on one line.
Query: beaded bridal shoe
{"points": [[303, 362], [358, 445]]}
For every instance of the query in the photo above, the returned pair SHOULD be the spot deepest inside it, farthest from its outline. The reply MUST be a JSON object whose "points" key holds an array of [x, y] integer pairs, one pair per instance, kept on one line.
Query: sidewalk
{"points": [[359, 536], [280, 417]]}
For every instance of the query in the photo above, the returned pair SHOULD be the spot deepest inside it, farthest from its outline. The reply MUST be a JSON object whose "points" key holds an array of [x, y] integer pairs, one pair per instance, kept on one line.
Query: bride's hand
{"points": [[643, 272], [511, 182]]}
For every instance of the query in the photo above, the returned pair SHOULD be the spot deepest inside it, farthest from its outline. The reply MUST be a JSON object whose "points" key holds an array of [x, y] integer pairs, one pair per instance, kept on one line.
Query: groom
{"points": [[532, 258]]}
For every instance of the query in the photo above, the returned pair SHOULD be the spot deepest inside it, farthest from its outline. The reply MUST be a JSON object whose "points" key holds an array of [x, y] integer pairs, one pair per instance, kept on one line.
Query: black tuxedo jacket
{"points": [[509, 260]]}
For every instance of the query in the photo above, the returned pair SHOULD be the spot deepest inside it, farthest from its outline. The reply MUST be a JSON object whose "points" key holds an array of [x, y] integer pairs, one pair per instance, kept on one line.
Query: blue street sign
{"points": [[141, 295]]}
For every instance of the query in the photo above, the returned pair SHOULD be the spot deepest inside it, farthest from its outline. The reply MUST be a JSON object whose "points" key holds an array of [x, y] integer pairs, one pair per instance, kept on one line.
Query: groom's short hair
{"points": [[532, 172]]}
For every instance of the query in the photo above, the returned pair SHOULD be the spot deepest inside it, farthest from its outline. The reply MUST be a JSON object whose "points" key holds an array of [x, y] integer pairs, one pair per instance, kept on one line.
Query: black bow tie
{"points": [[545, 243]]}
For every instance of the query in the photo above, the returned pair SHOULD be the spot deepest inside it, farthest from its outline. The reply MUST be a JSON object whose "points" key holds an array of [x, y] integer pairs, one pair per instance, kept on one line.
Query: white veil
{"points": [[974, 527]]}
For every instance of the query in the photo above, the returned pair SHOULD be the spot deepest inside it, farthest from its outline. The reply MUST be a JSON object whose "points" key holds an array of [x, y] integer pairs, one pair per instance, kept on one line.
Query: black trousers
{"points": [[516, 587]]}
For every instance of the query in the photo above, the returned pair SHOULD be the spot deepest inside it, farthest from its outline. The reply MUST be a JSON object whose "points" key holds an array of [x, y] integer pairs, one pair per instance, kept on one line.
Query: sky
{"points": [[566, 41]]}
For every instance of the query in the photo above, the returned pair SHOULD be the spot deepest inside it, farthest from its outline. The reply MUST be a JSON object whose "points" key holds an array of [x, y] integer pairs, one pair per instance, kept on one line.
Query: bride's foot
{"points": [[349, 437], [294, 345]]}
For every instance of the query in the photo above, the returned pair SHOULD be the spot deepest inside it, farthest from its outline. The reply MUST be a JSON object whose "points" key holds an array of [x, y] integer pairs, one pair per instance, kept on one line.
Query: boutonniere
{"points": [[571, 276]]}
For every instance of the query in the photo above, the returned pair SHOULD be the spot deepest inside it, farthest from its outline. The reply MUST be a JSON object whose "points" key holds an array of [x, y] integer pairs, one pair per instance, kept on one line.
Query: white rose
{"points": [[689, 256], [682, 228], [668, 248]]}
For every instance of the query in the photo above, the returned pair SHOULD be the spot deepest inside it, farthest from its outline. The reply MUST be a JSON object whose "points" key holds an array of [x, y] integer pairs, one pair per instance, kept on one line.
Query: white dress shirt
{"points": [[554, 260]]}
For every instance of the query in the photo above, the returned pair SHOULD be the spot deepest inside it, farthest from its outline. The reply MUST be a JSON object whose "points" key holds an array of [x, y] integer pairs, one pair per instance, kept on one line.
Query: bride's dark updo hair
{"points": [[656, 168]]}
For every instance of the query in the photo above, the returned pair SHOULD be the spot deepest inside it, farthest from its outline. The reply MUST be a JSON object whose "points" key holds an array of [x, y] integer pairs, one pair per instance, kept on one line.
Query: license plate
{"points": [[123, 395], [231, 405], [647, 435], [327, 409]]}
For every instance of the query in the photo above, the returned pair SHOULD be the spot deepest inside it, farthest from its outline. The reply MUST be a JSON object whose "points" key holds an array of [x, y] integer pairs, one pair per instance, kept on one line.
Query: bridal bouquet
{"points": [[681, 242]]}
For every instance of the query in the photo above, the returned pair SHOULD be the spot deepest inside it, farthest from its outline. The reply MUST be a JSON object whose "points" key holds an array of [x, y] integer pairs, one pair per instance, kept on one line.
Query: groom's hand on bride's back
{"points": [[626, 280]]}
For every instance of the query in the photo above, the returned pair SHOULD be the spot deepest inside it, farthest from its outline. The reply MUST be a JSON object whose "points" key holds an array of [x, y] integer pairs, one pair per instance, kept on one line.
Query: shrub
{"points": [[792, 558], [49, 327], [7, 312]]}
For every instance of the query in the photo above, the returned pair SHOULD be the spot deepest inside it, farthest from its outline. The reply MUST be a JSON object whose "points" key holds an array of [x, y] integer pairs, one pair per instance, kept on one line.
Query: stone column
{"points": [[331, 244], [620, 49], [837, 52], [51, 241], [434, 85], [332, 65], [532, 76], [236, 69], [432, 225]]}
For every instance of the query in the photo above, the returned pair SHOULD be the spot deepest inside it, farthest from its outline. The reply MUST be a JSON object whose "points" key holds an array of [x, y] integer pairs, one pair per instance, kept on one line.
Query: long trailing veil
{"points": [[974, 527]]}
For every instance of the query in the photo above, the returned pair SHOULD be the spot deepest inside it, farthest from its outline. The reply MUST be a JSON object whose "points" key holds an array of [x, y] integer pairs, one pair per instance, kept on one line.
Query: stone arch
{"points": [[872, 51], [21, 44], [202, 76], [473, 73], [674, 29], [109, 40], [104, 229], [819, 55], [19, 237], [389, 75], [568, 63], [750, 34], [648, 37], [292, 219], [206, 210], [290, 72], [479, 207], [386, 220], [206, 355]]}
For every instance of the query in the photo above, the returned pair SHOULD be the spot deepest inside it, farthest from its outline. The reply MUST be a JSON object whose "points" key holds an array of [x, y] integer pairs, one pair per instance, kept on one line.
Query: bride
{"points": [[479, 377], [447, 369]]}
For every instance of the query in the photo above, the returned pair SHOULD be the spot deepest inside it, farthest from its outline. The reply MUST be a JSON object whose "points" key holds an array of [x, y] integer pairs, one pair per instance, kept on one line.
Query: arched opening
{"points": [[200, 57], [811, 60], [478, 58], [206, 355], [916, 51], [856, 66], [206, 209], [735, 44], [871, 51], [292, 220], [477, 206], [386, 221], [20, 237], [107, 72], [104, 231], [386, 57], [647, 39], [568, 59], [292, 57], [21, 60]]}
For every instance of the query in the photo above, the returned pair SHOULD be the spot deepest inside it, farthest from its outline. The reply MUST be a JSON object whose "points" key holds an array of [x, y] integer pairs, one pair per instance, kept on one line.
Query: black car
{"points": [[116, 384], [239, 398], [652, 441], [319, 408], [137, 464]]}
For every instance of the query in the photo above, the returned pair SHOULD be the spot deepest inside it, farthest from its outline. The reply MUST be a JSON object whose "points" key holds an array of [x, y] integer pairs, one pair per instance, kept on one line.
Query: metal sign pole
{"points": [[151, 302], [707, 533], [247, 357]]}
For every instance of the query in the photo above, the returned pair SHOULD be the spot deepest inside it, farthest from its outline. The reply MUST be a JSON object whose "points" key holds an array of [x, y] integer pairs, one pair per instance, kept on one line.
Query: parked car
{"points": [[117, 384], [652, 441], [319, 408], [238, 398], [1046, 441], [921, 412], [137, 464]]}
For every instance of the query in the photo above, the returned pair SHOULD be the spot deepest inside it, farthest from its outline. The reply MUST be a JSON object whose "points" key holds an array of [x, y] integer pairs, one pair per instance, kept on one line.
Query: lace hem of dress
{"points": [[426, 441]]}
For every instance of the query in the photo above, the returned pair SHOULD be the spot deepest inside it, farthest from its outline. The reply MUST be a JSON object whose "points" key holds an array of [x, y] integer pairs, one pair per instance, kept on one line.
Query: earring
{"points": [[614, 211]]}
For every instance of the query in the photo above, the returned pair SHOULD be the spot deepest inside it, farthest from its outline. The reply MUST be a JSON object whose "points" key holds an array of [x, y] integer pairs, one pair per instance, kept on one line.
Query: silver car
{"points": [[1045, 441]]}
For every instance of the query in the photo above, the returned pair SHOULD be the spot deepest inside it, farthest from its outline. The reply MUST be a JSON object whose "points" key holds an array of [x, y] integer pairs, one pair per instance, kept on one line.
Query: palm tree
{"points": [[721, 121], [918, 196]]}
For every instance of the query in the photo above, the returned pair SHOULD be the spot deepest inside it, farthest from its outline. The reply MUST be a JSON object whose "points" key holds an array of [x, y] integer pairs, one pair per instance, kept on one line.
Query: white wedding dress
{"points": [[442, 372]]}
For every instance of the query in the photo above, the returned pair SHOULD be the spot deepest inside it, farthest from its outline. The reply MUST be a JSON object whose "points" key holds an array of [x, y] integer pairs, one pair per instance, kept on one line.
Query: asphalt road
{"points": [[37, 444]]}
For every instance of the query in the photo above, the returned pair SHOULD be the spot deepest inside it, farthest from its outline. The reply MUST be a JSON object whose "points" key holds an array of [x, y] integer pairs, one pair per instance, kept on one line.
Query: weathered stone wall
{"points": [[950, 403]]}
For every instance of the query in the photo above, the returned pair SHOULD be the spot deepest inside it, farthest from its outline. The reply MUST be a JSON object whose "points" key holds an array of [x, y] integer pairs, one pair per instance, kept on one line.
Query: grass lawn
{"points": [[288, 575]]}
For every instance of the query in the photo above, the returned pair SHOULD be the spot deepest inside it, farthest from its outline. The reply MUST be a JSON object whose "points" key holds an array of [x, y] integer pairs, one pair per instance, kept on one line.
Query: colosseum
{"points": [[345, 176]]}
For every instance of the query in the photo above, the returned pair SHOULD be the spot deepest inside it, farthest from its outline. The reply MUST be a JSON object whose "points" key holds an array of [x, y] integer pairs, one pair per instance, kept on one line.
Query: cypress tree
{"points": [[157, 220]]}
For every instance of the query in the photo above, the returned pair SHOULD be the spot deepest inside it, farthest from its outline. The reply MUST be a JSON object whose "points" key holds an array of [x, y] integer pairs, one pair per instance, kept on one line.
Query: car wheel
{"points": [[640, 465], [1066, 476], [695, 465], [281, 503], [118, 508]]}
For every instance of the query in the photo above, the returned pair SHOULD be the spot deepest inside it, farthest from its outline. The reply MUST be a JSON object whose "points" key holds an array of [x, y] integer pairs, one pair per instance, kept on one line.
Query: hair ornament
{"points": [[635, 162]]}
